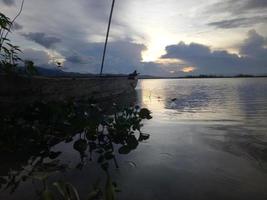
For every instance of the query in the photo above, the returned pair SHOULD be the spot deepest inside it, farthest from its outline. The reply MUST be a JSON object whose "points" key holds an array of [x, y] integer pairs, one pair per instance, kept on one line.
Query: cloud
{"points": [[39, 57], [253, 59], [187, 51], [153, 69], [121, 57], [202, 58], [78, 36], [42, 39], [85, 57], [240, 6], [255, 4], [125, 57], [238, 22], [77, 59], [16, 26], [253, 47], [9, 2]]}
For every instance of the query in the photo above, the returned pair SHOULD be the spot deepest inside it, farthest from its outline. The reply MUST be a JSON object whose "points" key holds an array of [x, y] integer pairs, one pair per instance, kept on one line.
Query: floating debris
{"points": [[131, 163]]}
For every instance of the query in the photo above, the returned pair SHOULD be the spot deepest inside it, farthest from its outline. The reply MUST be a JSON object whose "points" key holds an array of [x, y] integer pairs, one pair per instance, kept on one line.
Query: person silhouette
{"points": [[133, 75]]}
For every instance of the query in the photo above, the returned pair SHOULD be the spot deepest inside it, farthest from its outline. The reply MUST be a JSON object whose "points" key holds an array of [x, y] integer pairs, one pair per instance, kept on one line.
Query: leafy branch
{"points": [[8, 52], [6, 25]]}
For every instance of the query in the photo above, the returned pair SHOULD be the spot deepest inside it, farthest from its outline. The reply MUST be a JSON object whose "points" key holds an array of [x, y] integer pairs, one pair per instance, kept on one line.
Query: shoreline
{"points": [[200, 77]]}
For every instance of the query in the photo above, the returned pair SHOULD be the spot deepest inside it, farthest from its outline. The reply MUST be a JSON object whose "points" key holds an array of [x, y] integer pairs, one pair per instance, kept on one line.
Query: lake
{"points": [[208, 140]]}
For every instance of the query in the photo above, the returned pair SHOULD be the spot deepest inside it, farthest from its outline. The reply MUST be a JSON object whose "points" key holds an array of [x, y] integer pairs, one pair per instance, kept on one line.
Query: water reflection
{"points": [[210, 144], [206, 100], [211, 140], [31, 134], [238, 107], [240, 142]]}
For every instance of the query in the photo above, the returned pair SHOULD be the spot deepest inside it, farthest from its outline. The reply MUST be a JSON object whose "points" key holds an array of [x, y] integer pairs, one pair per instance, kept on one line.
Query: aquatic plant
{"points": [[36, 129]]}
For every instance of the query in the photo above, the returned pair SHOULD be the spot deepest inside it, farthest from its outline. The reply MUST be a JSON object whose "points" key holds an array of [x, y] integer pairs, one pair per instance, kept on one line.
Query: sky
{"points": [[154, 37]]}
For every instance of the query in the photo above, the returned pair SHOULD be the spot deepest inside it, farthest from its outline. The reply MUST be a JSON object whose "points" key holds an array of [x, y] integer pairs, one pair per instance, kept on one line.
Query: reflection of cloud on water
{"points": [[238, 141], [247, 138], [220, 101], [252, 101]]}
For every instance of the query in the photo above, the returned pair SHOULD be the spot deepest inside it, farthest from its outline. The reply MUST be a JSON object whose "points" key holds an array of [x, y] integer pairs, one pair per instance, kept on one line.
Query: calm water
{"points": [[208, 141]]}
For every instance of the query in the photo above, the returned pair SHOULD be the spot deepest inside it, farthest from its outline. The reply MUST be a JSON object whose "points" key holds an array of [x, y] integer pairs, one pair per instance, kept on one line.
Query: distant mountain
{"points": [[49, 72], [41, 71]]}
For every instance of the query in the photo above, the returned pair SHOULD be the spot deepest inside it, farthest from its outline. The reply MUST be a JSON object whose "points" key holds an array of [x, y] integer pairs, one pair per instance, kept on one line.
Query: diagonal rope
{"points": [[105, 47]]}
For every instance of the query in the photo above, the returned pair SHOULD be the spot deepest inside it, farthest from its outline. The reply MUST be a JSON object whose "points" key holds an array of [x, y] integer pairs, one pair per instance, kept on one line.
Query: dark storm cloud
{"points": [[8, 2], [238, 22], [154, 69], [253, 59], [201, 57], [121, 57], [125, 57], [77, 59], [42, 39], [255, 4], [253, 47]]}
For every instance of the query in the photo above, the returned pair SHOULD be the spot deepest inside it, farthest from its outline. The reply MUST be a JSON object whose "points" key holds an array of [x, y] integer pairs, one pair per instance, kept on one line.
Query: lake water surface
{"points": [[208, 140]]}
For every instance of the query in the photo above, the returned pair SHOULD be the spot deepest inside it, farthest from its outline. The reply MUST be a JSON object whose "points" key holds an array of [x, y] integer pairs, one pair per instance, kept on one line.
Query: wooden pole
{"points": [[105, 47]]}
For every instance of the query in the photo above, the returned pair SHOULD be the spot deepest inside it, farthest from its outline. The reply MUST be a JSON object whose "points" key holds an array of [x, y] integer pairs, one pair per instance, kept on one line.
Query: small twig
{"points": [[12, 22]]}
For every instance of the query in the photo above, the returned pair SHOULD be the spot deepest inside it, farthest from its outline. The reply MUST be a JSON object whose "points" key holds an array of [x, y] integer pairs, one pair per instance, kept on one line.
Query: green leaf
{"points": [[73, 192], [143, 136], [124, 150], [80, 145], [132, 142], [145, 113], [67, 190], [60, 185]]}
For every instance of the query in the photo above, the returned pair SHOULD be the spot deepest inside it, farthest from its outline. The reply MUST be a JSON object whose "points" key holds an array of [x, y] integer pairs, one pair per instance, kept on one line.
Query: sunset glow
{"points": [[158, 99], [168, 61], [188, 69], [159, 37]]}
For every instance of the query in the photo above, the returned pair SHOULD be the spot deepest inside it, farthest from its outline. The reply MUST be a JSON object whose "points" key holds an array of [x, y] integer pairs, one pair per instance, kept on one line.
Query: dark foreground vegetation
{"points": [[29, 135], [29, 132]]}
